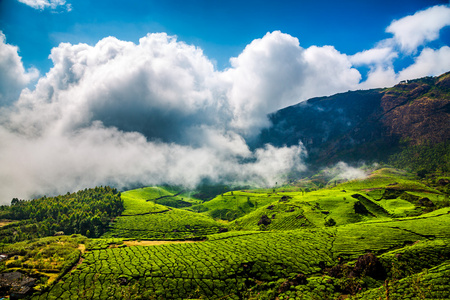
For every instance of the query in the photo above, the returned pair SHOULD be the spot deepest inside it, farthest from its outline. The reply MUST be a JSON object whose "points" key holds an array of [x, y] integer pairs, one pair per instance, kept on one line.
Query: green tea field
{"points": [[384, 237]]}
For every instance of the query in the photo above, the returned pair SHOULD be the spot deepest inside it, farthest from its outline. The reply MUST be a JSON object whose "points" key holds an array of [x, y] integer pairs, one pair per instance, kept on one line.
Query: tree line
{"points": [[87, 212]]}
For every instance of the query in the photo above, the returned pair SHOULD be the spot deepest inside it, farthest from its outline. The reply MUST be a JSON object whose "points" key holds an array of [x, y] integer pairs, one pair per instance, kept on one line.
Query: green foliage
{"points": [[376, 236], [46, 258], [429, 284], [330, 222], [232, 205], [168, 225], [89, 210], [213, 269], [281, 245], [426, 158], [135, 201], [152, 199]]}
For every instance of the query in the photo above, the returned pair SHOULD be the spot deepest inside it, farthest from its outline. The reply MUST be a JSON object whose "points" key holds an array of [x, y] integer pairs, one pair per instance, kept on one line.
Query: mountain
{"points": [[366, 125]]}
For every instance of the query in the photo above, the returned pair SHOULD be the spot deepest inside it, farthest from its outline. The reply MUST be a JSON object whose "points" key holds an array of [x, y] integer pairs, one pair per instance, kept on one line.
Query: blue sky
{"points": [[221, 28], [151, 92]]}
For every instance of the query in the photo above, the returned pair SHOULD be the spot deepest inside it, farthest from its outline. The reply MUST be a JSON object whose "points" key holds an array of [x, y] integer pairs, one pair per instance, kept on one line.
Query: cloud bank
{"points": [[158, 111]]}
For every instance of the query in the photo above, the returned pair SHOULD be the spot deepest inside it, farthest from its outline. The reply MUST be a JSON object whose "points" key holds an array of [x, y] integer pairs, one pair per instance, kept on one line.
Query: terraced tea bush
{"points": [[311, 209], [164, 225], [213, 269], [97, 244], [232, 205], [322, 287], [135, 202], [356, 238], [277, 247], [154, 199], [230, 234], [430, 284], [282, 216], [413, 259], [387, 178]]}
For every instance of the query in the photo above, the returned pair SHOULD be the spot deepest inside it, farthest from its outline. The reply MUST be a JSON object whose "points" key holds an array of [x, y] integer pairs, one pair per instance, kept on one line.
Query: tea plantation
{"points": [[384, 237]]}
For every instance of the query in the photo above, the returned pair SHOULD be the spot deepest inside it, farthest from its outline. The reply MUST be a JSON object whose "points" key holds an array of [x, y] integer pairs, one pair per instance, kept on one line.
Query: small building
{"points": [[16, 284]]}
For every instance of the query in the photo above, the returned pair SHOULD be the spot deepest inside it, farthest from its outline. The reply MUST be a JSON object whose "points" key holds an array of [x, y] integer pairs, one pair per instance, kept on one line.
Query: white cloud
{"points": [[410, 33], [13, 77], [159, 112], [384, 55], [379, 77], [429, 63], [160, 83], [52, 4], [273, 164], [274, 72], [84, 123], [329, 72], [413, 31], [343, 171]]}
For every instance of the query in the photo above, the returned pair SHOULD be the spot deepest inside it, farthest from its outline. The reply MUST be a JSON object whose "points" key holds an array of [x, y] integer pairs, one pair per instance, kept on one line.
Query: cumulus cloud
{"points": [[44, 4], [274, 72], [382, 55], [409, 35], [413, 31], [429, 63], [122, 113], [380, 76], [160, 87], [13, 76], [158, 111]]}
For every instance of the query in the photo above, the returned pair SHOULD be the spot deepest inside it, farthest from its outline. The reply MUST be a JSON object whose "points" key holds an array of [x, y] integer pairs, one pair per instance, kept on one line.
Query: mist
{"points": [[123, 114], [344, 172]]}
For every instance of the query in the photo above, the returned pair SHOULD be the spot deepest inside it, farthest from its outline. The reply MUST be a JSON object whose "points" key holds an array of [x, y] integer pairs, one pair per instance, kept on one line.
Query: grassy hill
{"points": [[384, 236], [143, 218]]}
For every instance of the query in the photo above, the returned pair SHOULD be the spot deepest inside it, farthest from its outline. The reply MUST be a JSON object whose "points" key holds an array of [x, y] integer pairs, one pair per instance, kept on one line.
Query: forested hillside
{"points": [[87, 212], [374, 125]]}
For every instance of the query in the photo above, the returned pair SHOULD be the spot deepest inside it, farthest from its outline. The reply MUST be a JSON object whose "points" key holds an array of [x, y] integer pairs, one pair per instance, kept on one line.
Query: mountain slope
{"points": [[366, 125]]}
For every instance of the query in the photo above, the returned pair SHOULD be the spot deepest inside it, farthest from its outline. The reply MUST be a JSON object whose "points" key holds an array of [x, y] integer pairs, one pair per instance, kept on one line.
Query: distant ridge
{"points": [[366, 125]]}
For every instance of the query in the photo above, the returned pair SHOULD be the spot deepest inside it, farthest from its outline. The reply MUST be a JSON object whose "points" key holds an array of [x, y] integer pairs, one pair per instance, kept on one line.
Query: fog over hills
{"points": [[158, 111]]}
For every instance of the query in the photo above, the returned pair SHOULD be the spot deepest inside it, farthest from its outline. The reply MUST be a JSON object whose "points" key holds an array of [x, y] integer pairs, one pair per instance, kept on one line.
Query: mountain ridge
{"points": [[365, 125]]}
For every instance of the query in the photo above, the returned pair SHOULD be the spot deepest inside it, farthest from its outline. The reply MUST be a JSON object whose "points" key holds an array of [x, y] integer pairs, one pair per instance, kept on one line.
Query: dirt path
{"points": [[82, 248], [155, 243], [6, 222]]}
